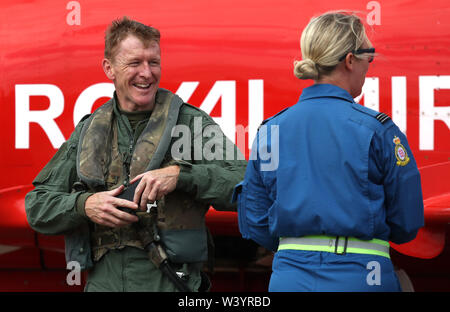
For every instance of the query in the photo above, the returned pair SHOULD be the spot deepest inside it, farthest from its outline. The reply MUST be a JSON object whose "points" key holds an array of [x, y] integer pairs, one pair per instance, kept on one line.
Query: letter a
{"points": [[74, 276], [374, 276], [374, 17], [74, 16]]}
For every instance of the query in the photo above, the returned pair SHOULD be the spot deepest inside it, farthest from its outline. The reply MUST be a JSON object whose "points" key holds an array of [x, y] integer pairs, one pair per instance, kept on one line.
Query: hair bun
{"points": [[306, 69]]}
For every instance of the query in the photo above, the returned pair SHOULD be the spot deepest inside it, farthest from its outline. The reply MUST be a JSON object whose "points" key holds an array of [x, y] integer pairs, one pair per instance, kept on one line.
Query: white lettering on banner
{"points": [[45, 118], [255, 108], [371, 93], [87, 98], [226, 91], [399, 115], [186, 89], [428, 112]]}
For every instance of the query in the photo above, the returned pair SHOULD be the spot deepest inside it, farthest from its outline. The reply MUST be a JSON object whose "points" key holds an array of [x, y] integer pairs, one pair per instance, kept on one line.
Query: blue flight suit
{"points": [[329, 166]]}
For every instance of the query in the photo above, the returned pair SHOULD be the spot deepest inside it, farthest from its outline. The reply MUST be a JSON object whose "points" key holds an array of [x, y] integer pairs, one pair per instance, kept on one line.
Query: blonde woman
{"points": [[345, 182]]}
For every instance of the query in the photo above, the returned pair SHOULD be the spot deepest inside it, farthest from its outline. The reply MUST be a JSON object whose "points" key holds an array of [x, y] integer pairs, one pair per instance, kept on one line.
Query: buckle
{"points": [[182, 276], [336, 244], [150, 206]]}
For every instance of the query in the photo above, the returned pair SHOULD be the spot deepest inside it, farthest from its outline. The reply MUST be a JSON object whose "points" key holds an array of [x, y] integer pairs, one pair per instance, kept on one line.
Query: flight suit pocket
{"points": [[185, 246]]}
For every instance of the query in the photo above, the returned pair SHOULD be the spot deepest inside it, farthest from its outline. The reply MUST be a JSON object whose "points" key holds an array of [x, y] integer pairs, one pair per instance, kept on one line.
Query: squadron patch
{"points": [[400, 152]]}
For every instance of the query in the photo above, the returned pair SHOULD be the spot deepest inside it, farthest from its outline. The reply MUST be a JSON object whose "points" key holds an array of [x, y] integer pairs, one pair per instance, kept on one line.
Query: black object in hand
{"points": [[128, 194]]}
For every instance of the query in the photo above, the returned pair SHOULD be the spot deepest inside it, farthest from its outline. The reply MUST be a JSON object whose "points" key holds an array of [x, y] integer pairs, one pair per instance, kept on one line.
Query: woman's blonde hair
{"points": [[327, 38]]}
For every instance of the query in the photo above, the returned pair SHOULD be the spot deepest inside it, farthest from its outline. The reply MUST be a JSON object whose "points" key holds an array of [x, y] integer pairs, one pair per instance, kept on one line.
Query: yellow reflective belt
{"points": [[336, 244]]}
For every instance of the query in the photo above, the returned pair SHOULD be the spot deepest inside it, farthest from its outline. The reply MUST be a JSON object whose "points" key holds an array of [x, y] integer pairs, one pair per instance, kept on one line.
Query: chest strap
{"points": [[336, 244]]}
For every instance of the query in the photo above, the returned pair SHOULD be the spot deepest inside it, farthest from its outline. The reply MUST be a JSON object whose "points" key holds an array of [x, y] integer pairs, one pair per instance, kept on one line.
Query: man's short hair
{"points": [[121, 28]]}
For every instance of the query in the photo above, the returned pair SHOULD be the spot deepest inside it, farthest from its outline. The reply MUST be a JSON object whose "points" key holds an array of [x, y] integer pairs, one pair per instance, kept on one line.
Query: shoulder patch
{"points": [[400, 152], [382, 117]]}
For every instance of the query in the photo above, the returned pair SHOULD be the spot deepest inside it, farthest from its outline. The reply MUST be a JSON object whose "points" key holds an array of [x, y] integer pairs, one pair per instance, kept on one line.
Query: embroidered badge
{"points": [[400, 152]]}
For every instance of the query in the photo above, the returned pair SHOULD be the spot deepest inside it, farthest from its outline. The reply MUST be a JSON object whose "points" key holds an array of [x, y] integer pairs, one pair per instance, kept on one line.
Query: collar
{"points": [[116, 104], [122, 118], [325, 90], [119, 112]]}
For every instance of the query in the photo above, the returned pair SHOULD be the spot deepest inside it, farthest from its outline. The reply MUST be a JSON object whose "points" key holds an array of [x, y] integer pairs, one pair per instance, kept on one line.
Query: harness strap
{"points": [[148, 233], [336, 244]]}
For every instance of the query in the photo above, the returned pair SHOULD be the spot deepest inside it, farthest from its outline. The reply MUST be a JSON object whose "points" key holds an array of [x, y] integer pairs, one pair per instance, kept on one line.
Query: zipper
{"points": [[129, 156]]}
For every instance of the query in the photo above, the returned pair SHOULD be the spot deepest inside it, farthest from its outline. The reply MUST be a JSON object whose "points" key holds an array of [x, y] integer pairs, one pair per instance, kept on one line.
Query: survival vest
{"points": [[100, 166]]}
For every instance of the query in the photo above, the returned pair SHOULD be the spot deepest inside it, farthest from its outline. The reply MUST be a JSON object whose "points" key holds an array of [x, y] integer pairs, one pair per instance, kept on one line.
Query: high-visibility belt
{"points": [[336, 244]]}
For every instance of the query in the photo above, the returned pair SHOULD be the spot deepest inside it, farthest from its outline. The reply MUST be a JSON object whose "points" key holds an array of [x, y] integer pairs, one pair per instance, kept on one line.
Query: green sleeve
{"points": [[51, 208], [212, 178]]}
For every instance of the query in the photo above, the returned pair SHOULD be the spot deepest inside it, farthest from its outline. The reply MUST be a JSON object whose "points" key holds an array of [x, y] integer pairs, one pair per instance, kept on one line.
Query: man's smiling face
{"points": [[136, 72]]}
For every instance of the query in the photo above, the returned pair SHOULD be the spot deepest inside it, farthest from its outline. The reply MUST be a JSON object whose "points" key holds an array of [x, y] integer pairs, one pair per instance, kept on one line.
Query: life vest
{"points": [[181, 220]]}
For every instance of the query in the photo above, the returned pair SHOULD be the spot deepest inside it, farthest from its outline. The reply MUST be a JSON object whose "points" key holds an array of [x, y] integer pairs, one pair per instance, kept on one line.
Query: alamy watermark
{"points": [[374, 16], [374, 276], [74, 16], [74, 276], [209, 143]]}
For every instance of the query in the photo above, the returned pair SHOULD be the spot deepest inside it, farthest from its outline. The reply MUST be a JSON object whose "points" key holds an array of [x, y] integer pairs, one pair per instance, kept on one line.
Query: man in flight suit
{"points": [[129, 139]]}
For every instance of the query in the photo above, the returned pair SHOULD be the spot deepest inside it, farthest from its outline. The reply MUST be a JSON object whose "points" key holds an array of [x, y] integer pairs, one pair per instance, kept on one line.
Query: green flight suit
{"points": [[53, 208]]}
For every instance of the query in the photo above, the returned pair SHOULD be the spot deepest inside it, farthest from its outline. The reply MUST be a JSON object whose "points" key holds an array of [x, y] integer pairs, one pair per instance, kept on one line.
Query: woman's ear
{"points": [[349, 61]]}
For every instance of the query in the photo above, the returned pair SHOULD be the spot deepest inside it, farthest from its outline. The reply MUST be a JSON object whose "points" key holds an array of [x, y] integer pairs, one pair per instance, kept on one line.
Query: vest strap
{"points": [[336, 244]]}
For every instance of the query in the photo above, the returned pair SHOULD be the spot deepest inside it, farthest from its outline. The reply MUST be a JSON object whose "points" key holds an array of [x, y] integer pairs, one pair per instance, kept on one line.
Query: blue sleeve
{"points": [[253, 205], [401, 181]]}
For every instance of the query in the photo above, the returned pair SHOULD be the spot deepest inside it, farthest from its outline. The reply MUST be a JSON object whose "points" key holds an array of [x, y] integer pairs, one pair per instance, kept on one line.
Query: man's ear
{"points": [[108, 69]]}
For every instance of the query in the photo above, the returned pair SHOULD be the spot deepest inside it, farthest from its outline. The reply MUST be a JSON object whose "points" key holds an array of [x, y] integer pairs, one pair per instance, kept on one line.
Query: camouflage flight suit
{"points": [[114, 257]]}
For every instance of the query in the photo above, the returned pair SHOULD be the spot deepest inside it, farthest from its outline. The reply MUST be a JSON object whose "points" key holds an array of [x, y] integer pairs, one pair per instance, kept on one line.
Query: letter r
{"points": [[45, 118]]}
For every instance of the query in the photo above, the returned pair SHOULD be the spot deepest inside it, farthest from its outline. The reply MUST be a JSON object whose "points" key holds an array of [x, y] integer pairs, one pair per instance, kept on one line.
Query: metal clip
{"points": [[182, 275], [150, 206], [337, 244]]}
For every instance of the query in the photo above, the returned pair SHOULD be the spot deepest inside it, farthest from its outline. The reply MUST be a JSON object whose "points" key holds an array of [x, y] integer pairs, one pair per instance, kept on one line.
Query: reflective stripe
{"points": [[328, 243]]}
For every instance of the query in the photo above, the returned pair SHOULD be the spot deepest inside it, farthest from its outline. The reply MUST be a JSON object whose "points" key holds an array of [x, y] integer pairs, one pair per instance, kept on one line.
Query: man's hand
{"points": [[101, 209], [155, 184]]}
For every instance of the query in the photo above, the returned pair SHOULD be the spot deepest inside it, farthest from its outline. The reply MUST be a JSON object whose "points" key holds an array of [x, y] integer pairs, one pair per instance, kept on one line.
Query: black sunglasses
{"points": [[359, 51]]}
